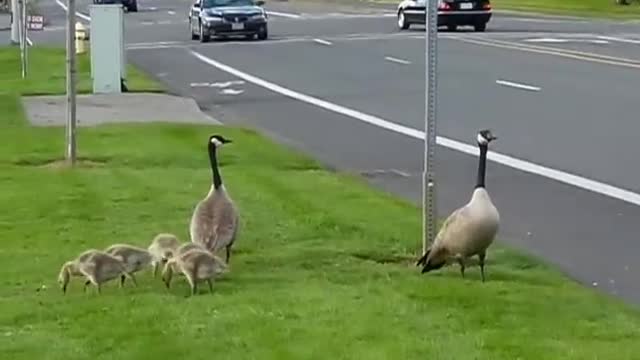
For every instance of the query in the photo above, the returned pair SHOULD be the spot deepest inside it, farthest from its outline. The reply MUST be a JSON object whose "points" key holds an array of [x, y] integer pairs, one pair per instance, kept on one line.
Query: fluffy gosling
{"points": [[196, 265], [133, 257], [162, 247], [95, 265]]}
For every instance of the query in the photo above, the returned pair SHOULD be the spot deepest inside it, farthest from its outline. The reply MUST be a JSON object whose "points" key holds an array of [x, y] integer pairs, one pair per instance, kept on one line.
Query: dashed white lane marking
{"points": [[283, 14], [558, 175], [323, 42], [613, 38], [396, 60], [517, 85]]}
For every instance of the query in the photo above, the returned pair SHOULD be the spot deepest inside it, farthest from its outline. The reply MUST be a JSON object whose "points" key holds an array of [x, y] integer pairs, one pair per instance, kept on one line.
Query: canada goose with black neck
{"points": [[470, 229], [215, 219]]}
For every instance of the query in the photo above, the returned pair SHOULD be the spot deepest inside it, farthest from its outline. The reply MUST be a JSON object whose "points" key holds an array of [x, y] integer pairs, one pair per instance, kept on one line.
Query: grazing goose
{"points": [[214, 222], [161, 249], [133, 257], [470, 229], [196, 265], [97, 266]]}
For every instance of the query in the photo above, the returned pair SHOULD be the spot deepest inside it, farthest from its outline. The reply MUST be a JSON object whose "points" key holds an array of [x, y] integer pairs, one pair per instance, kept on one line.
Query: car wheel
{"points": [[203, 37], [263, 33], [452, 27], [480, 27], [403, 24], [194, 36]]}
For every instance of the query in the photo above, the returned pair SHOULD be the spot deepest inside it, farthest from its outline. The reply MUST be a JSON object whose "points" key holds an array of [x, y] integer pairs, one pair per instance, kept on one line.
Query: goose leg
{"points": [[155, 269], [461, 262], [122, 278], [481, 258], [228, 248], [86, 283], [192, 283], [210, 285]]}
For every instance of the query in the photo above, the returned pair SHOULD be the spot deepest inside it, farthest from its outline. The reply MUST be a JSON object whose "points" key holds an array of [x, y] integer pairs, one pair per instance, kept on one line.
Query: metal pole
{"points": [[15, 29], [25, 43], [71, 84], [21, 36], [428, 180]]}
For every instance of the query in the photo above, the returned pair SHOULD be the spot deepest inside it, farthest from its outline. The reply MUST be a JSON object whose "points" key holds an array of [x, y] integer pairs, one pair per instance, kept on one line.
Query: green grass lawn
{"points": [[585, 8], [591, 8], [323, 267]]}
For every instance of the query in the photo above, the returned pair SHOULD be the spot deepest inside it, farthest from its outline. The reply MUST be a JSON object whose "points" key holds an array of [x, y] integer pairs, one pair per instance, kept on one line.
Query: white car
{"points": [[451, 13]]}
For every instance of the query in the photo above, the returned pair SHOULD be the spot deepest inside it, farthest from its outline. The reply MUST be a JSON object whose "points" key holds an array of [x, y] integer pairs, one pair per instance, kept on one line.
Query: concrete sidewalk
{"points": [[98, 109]]}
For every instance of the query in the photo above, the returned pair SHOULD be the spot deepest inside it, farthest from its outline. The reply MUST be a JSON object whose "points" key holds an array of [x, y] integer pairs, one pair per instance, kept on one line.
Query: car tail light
{"points": [[486, 6], [444, 6]]}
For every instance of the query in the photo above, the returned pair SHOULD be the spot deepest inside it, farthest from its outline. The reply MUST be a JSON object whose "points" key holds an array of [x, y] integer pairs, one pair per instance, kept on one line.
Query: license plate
{"points": [[466, 6], [237, 26]]}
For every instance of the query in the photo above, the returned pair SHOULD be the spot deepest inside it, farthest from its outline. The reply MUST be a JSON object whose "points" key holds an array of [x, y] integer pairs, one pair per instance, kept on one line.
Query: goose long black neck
{"points": [[482, 166], [217, 179]]}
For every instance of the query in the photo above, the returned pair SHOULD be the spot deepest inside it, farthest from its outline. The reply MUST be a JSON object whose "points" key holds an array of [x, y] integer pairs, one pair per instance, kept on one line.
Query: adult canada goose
{"points": [[214, 222], [470, 229]]}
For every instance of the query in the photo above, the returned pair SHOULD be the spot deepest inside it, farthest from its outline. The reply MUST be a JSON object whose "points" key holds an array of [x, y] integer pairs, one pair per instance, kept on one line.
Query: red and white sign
{"points": [[35, 22]]}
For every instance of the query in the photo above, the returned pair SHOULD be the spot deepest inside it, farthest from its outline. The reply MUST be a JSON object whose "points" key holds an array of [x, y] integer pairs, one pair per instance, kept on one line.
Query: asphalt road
{"points": [[576, 112]]}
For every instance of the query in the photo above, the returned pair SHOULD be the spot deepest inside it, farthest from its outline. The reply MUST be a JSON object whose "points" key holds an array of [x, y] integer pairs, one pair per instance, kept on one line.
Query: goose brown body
{"points": [[215, 219], [470, 229]]}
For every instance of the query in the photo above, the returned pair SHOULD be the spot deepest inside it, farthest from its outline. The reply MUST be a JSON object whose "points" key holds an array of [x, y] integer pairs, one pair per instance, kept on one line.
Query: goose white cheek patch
{"points": [[216, 142], [482, 140]]}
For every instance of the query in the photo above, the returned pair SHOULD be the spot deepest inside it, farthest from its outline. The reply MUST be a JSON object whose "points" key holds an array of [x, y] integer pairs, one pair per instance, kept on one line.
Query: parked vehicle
{"points": [[129, 5], [451, 13], [211, 18]]}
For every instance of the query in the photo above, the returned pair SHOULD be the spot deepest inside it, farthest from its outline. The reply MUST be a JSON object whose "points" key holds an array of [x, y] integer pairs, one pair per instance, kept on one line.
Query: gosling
{"points": [[196, 265], [162, 247], [133, 257], [95, 265]]}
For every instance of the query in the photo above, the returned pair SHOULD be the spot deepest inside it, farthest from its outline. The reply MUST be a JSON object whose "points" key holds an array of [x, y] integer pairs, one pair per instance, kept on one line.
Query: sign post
{"points": [[71, 84], [428, 179]]}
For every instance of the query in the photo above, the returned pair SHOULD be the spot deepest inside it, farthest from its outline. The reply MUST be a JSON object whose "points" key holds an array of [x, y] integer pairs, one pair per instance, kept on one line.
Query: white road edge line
{"points": [[282, 14], [78, 14], [558, 175], [396, 60], [613, 38], [517, 85], [323, 42]]}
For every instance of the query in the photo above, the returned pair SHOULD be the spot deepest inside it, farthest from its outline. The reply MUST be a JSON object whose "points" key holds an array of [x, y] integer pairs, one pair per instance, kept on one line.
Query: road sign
{"points": [[35, 22]]}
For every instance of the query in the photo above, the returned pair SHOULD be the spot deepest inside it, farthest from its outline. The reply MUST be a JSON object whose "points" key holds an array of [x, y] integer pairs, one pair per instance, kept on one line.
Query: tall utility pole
{"points": [[70, 154], [428, 179], [15, 29], [22, 8]]}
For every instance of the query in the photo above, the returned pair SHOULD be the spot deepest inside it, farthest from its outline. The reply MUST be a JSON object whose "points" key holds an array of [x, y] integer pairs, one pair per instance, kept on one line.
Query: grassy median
{"points": [[589, 8], [322, 268]]}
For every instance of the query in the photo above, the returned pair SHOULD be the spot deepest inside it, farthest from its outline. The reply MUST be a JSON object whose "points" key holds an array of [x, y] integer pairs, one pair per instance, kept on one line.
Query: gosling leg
{"points": [[461, 262]]}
